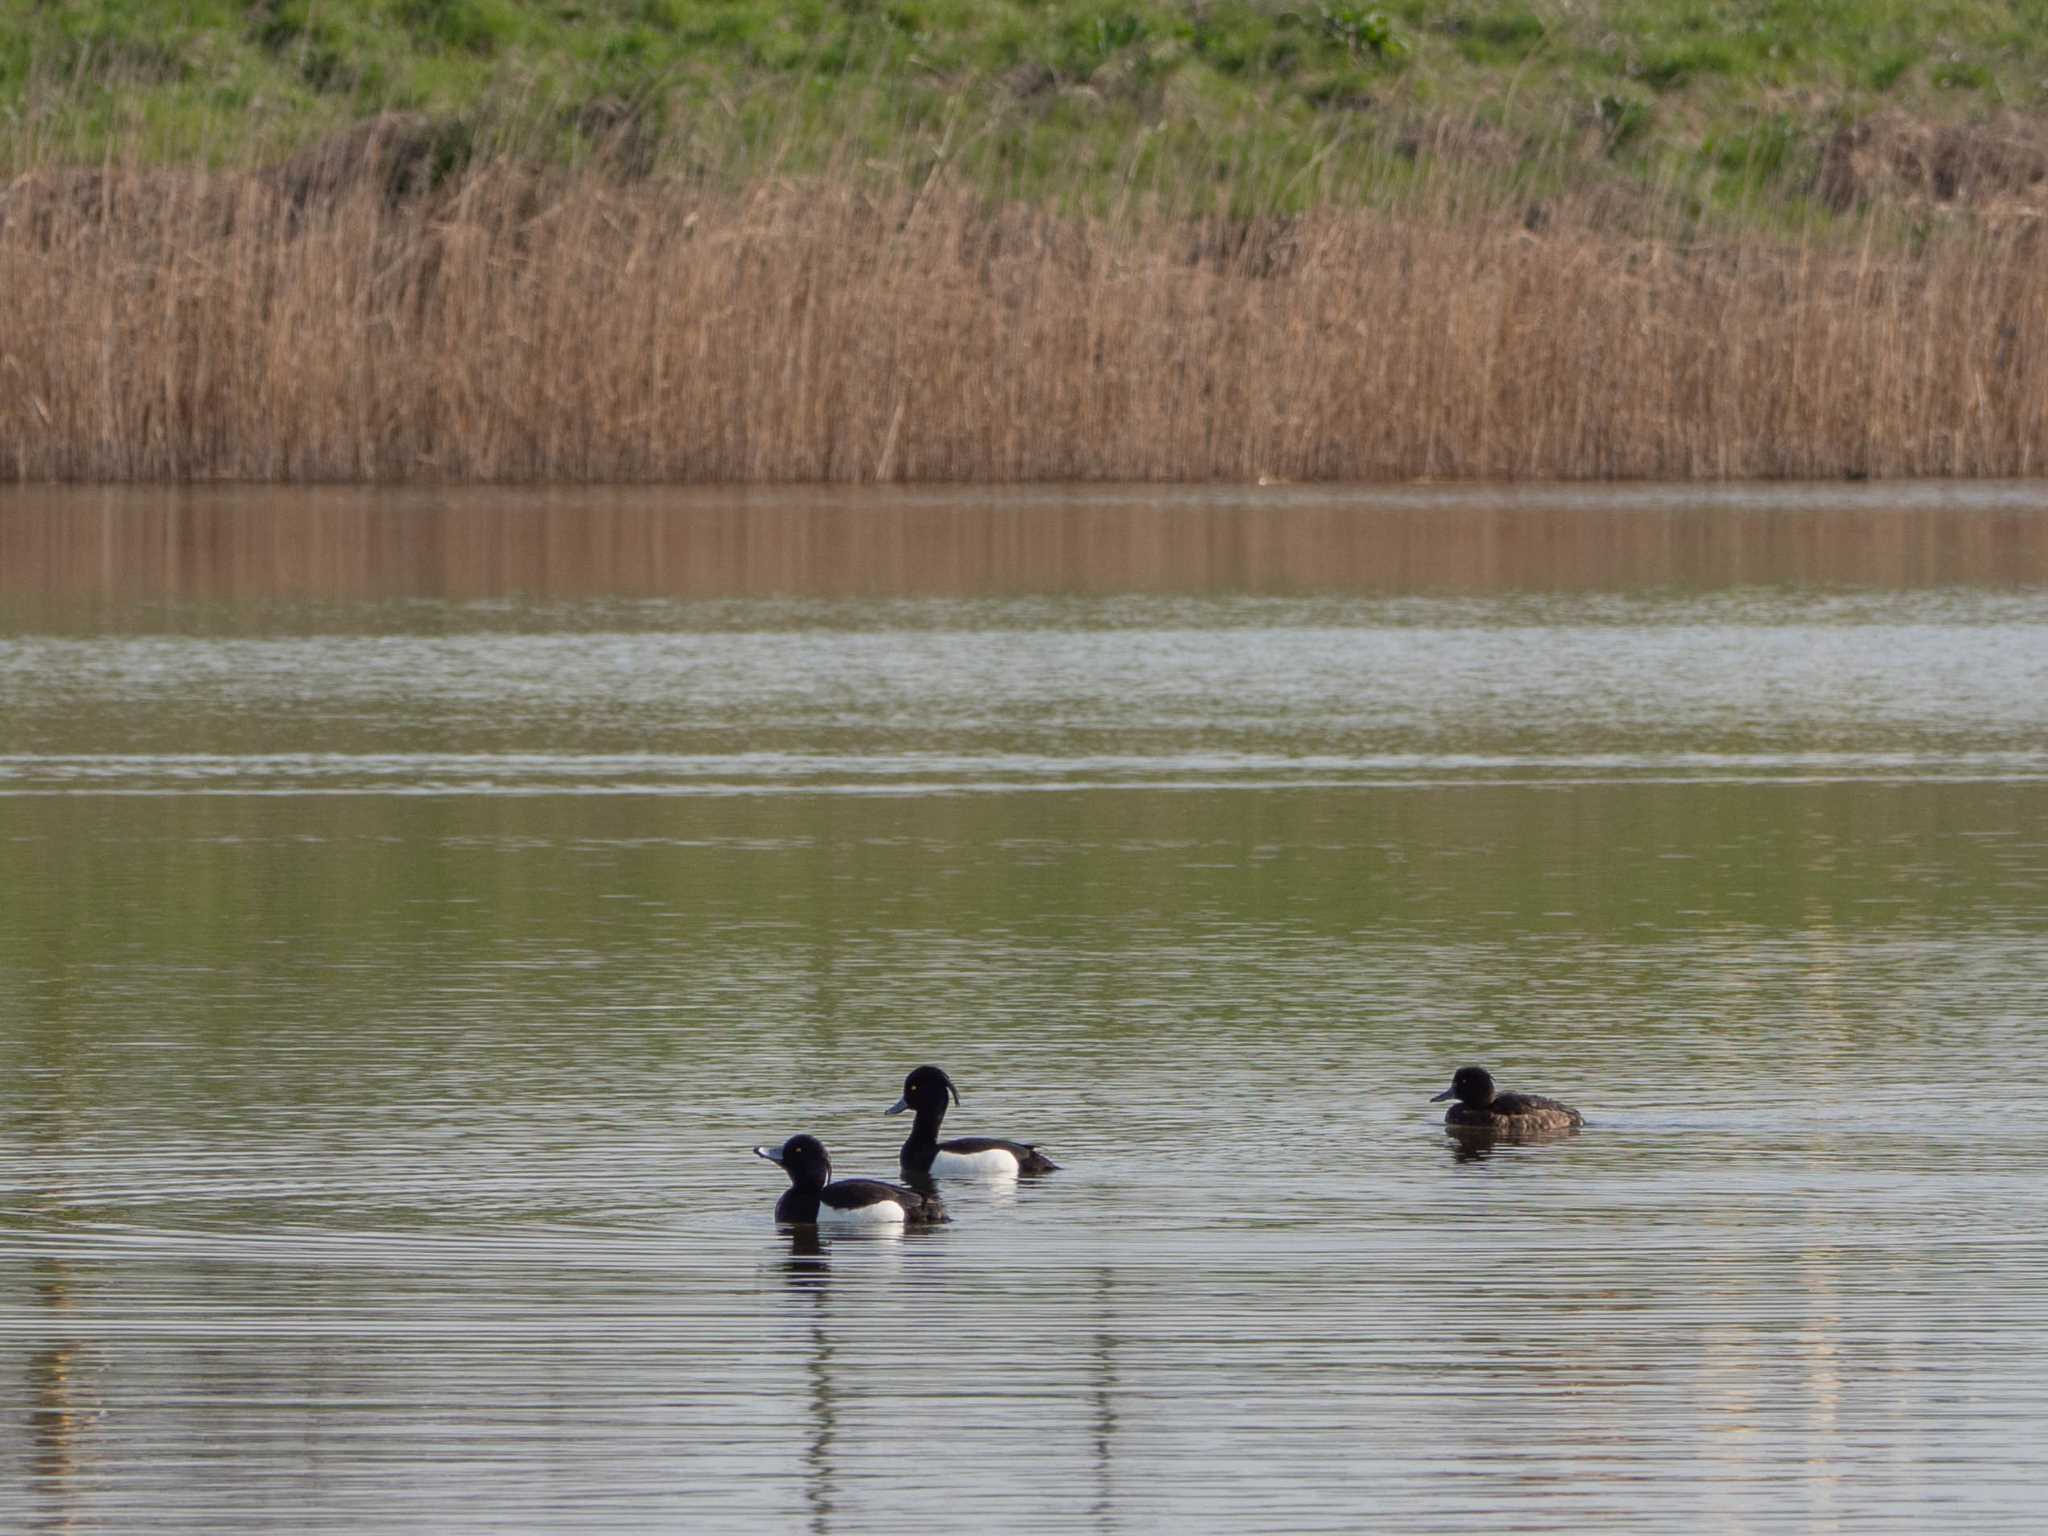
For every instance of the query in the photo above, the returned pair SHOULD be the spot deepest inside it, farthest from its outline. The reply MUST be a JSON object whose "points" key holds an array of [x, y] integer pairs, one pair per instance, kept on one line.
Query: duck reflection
{"points": [[1475, 1144], [807, 1272], [1473, 1148], [64, 1409], [821, 1481], [1104, 1371], [809, 1265], [62, 1416]]}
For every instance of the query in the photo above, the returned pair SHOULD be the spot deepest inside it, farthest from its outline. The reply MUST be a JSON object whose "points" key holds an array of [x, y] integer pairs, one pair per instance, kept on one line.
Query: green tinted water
{"points": [[408, 930]]}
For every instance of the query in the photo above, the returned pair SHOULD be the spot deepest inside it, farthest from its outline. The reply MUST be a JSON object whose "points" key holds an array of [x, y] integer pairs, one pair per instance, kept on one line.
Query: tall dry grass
{"points": [[525, 326]]}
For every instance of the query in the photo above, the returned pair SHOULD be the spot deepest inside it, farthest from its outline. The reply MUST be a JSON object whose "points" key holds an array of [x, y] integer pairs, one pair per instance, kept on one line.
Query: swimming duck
{"points": [[1483, 1107], [964, 1157], [814, 1197]]}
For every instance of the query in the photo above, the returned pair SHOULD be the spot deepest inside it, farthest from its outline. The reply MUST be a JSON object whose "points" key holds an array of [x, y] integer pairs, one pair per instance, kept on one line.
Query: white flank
{"points": [[882, 1213], [992, 1164]]}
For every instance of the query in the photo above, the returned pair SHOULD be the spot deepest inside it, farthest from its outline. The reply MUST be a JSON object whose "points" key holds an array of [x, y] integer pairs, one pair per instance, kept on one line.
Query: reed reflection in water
{"points": [[64, 547]]}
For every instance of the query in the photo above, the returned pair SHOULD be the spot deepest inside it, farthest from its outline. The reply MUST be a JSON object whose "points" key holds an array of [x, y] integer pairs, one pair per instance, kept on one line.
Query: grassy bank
{"points": [[1278, 104], [522, 324], [930, 240]]}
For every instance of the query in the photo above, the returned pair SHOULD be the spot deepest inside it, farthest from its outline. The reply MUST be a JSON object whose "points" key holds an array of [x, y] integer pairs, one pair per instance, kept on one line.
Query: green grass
{"points": [[1279, 102]]}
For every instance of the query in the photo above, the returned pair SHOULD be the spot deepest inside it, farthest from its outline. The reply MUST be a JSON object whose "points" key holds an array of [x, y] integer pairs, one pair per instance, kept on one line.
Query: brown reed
{"points": [[559, 326]]}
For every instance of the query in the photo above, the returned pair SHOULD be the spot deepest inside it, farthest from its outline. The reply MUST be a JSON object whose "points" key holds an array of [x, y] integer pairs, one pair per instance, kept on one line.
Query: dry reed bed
{"points": [[521, 327]]}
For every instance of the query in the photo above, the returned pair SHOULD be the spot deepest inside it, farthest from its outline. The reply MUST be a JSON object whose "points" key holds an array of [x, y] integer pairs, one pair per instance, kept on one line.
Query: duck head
{"points": [[804, 1159], [924, 1092], [1469, 1085]]}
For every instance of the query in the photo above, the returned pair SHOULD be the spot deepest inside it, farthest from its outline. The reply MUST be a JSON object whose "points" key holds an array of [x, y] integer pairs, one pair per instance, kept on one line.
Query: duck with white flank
{"points": [[1501, 1111], [813, 1197], [964, 1157]]}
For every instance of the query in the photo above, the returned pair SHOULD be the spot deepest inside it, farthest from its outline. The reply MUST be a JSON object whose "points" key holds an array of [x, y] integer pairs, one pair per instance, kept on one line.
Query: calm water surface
{"points": [[416, 906]]}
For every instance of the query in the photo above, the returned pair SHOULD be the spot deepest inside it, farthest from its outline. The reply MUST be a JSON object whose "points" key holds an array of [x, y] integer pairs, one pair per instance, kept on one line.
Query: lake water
{"points": [[416, 905]]}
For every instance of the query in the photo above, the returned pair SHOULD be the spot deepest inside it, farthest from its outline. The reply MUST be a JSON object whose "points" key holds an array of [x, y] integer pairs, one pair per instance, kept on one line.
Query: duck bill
{"points": [[898, 1107], [773, 1154], [1448, 1093]]}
